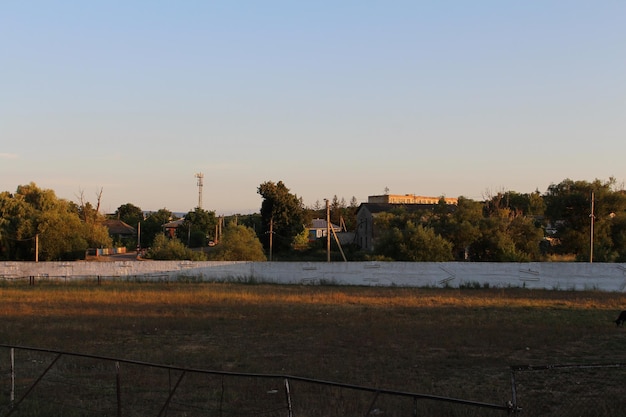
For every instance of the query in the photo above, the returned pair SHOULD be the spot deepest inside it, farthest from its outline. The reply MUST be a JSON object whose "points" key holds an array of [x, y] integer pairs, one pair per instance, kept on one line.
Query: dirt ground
{"points": [[449, 342]]}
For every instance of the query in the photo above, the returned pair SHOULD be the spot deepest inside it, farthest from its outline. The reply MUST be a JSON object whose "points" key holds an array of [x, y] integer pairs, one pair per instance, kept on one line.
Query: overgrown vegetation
{"points": [[167, 249], [239, 243]]}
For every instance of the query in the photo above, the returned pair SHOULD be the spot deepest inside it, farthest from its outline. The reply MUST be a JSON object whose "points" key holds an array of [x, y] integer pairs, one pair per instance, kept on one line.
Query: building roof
{"points": [[322, 224], [409, 199], [174, 224], [118, 227]]}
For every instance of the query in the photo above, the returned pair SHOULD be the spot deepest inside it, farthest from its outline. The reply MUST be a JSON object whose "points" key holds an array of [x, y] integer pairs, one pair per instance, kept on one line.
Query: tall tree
{"points": [[618, 235], [152, 226], [284, 211], [60, 232], [129, 214], [568, 207], [197, 227], [506, 236], [459, 224]]}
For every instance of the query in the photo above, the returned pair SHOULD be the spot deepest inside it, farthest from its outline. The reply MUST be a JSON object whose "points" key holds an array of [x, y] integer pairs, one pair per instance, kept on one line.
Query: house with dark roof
{"points": [[119, 230], [170, 227], [319, 229]]}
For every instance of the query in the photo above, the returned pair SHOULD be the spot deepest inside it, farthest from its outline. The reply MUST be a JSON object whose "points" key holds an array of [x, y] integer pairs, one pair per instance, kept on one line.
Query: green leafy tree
{"points": [[464, 227], [521, 204], [239, 243], [568, 207], [301, 241], [197, 226], [336, 207], [507, 237], [253, 221], [526, 236], [15, 237], [414, 243], [440, 219], [61, 233], [129, 214], [284, 211], [494, 244], [58, 237], [459, 224], [349, 214], [618, 235], [96, 234], [152, 226]]}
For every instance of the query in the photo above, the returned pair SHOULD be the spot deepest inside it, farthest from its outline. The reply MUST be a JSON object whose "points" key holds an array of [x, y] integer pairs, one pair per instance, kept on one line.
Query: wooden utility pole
{"points": [[138, 237], [271, 235], [327, 230], [343, 255], [592, 217]]}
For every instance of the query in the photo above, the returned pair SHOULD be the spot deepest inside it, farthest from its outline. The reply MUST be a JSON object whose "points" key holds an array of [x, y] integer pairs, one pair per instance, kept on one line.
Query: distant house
{"points": [[120, 231], [319, 229], [170, 227]]}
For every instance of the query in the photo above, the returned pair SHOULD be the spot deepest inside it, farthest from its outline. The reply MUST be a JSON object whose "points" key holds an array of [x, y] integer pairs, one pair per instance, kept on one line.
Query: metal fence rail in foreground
{"points": [[570, 390], [36, 382]]}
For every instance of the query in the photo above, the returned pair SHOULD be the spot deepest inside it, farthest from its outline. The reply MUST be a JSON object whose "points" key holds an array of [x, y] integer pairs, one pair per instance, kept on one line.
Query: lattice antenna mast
{"points": [[200, 177]]}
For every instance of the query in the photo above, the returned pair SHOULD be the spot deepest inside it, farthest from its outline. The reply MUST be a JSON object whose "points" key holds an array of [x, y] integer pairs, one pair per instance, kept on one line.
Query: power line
{"points": [[14, 239]]}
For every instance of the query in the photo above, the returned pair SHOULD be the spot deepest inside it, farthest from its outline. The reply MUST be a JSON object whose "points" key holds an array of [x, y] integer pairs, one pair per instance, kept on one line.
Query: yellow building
{"points": [[408, 199]]}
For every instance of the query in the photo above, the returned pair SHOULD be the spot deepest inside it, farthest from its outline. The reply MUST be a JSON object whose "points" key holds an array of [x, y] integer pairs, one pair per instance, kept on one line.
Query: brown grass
{"points": [[447, 342]]}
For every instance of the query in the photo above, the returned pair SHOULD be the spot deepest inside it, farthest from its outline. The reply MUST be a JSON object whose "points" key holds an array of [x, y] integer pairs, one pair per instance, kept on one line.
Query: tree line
{"points": [[564, 223]]}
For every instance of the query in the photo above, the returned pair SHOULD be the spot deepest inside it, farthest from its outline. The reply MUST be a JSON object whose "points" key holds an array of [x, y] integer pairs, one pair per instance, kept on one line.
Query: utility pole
{"points": [[592, 217], [138, 237], [271, 235], [327, 230]]}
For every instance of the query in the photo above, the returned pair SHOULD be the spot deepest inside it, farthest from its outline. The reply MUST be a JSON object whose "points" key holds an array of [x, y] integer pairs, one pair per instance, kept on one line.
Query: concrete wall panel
{"points": [[557, 275]]}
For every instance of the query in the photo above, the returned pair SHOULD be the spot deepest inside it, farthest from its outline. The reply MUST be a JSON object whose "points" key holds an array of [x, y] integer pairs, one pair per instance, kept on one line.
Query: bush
{"points": [[239, 243], [165, 249]]}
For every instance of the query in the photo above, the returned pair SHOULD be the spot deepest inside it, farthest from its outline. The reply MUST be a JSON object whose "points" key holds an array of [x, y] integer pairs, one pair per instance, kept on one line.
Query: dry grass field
{"points": [[447, 342]]}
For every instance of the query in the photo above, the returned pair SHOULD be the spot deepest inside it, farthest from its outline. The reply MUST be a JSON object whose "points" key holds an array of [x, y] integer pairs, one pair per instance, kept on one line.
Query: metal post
{"points": [[12, 376], [288, 394], [513, 391], [118, 389]]}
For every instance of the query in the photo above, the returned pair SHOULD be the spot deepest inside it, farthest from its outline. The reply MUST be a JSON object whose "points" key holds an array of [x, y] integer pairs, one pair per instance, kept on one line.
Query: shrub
{"points": [[165, 249]]}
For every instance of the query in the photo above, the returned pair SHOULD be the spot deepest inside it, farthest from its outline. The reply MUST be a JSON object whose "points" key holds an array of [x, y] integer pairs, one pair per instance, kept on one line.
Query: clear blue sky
{"points": [[341, 98]]}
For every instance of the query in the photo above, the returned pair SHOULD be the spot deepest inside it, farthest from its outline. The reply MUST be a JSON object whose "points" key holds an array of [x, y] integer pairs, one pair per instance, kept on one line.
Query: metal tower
{"points": [[200, 177]]}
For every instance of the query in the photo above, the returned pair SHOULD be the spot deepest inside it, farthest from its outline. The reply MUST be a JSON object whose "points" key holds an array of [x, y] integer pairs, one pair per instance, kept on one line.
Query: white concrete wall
{"points": [[557, 275]]}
